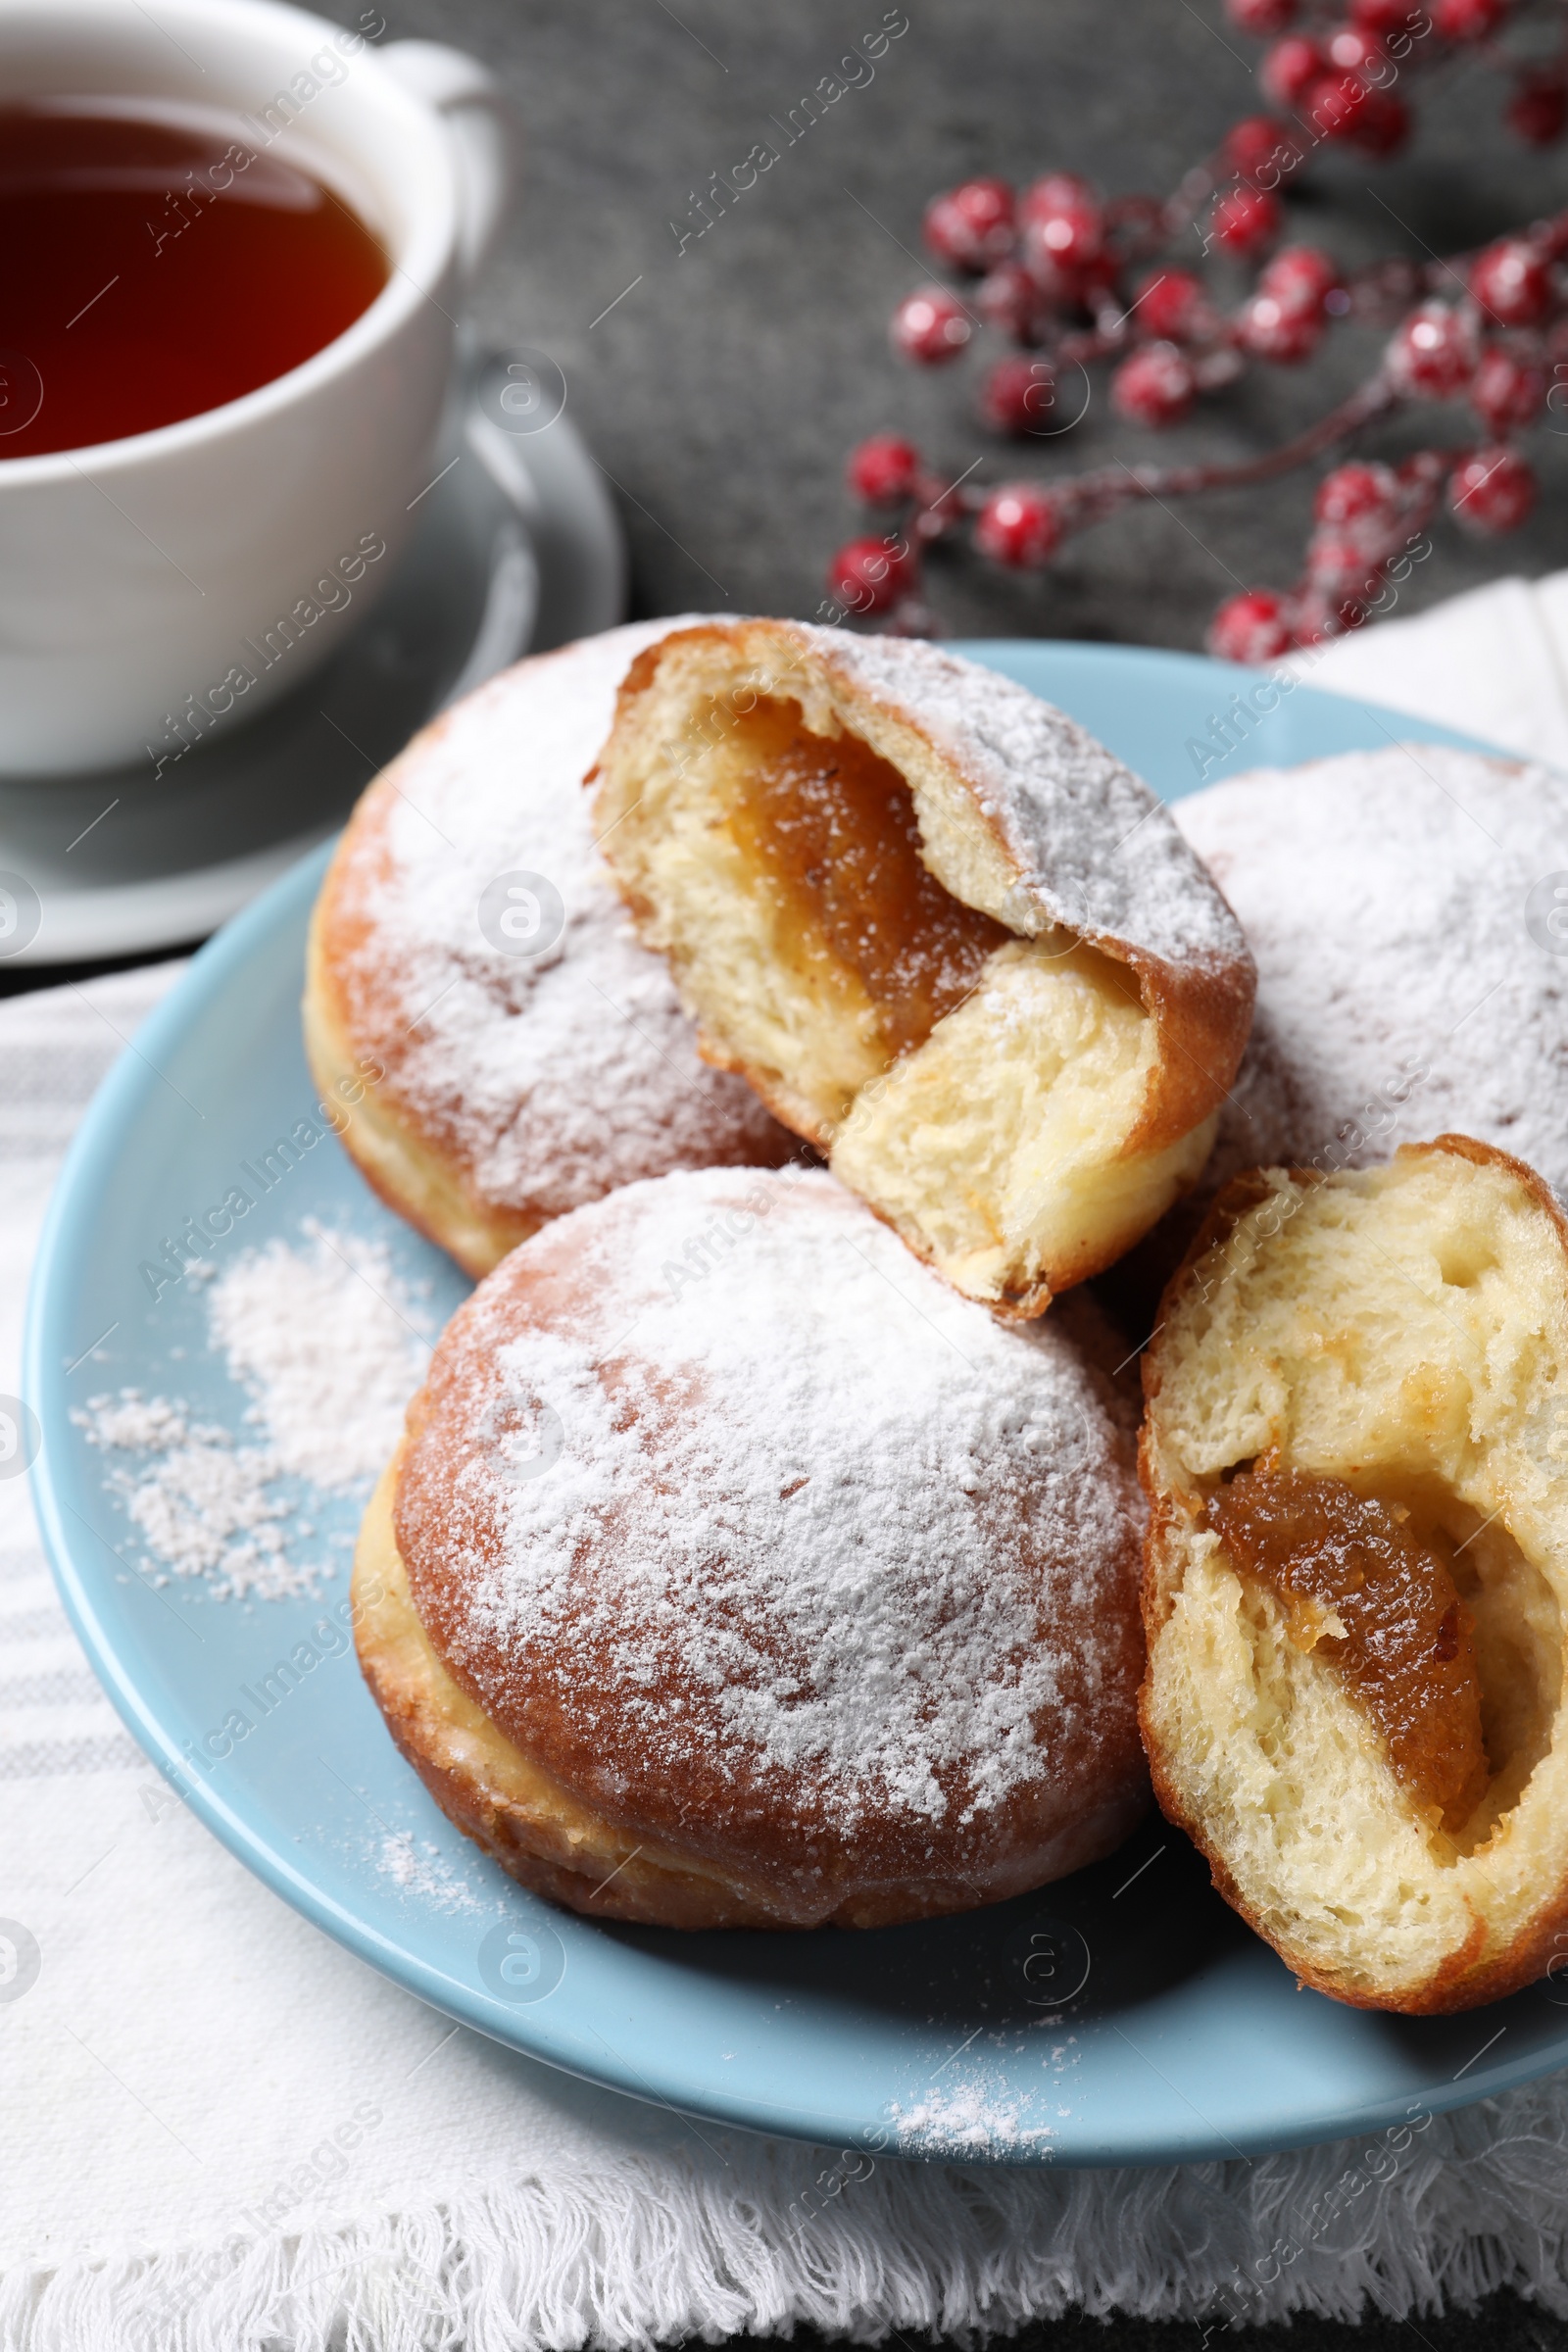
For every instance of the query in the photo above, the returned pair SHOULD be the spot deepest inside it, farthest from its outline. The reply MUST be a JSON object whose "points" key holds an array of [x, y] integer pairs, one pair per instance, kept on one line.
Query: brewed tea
{"points": [[153, 264]]}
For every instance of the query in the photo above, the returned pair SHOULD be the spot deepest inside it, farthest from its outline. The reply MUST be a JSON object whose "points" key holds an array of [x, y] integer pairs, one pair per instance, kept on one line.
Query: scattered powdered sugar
{"points": [[978, 2119], [322, 1337], [330, 1347], [132, 1423], [554, 1076], [419, 1868], [1402, 992], [203, 1505], [777, 1507]]}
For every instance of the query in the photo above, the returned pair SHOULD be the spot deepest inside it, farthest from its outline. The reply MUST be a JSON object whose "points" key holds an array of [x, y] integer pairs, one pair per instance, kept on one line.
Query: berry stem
{"points": [[1110, 486]]}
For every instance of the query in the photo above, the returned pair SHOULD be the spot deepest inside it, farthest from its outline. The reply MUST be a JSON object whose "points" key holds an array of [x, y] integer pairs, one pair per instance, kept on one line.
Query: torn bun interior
{"points": [[1356, 1591], [945, 936]]}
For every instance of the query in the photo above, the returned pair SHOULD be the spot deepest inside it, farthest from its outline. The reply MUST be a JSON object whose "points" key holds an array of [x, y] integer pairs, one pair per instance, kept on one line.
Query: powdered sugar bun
{"points": [[1403, 987], [735, 1571], [948, 938], [511, 1088]]}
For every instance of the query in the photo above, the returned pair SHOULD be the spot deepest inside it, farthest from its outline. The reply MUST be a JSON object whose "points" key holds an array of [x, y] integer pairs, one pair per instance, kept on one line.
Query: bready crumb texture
{"points": [[980, 1033], [1404, 1331]]}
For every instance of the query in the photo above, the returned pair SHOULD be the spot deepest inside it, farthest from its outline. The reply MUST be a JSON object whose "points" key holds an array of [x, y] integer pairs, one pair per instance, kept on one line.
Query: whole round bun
{"points": [[1404, 985], [733, 1572], [1355, 1597], [496, 1089], [947, 937]]}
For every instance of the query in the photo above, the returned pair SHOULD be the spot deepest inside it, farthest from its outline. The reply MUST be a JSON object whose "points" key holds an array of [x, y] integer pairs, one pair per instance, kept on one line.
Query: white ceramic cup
{"points": [[161, 588]]}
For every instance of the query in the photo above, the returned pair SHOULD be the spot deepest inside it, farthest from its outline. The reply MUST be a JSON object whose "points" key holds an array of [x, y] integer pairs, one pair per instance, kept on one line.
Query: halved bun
{"points": [[945, 936], [1355, 1590]]}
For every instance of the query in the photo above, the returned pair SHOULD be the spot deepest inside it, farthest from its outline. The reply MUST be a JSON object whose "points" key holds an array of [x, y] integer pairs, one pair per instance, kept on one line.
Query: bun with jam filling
{"points": [[1356, 1591], [945, 934]]}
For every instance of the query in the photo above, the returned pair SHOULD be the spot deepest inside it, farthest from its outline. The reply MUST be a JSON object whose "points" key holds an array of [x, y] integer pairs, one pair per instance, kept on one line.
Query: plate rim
{"points": [[88, 1162]]}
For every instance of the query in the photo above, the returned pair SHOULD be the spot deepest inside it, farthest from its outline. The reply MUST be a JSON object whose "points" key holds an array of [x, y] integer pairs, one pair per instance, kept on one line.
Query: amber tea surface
{"points": [[156, 265]]}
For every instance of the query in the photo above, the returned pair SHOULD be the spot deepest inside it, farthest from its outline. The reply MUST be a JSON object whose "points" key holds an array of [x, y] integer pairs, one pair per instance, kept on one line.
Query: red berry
{"points": [[1362, 501], [1383, 124], [1251, 627], [1301, 277], [973, 226], [1290, 69], [1018, 526], [1055, 288], [1261, 18], [1353, 48], [870, 574], [1173, 307], [1258, 140], [1019, 396], [1271, 329], [1467, 20], [930, 326], [1340, 567], [1385, 16], [1245, 220], [1491, 489], [1505, 391], [1008, 298], [1340, 106], [1063, 222], [1537, 110], [1155, 386], [1433, 354], [883, 471], [1332, 102], [1511, 282]]}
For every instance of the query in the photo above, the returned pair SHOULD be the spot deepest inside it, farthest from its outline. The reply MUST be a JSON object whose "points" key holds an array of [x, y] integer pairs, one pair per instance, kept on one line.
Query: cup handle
{"points": [[484, 136]]}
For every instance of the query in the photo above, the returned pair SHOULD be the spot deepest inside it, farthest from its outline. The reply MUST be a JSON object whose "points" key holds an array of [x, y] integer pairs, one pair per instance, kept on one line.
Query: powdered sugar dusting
{"points": [[419, 1868], [977, 2119], [779, 1511], [552, 1077], [1097, 850], [325, 1340], [1400, 991], [201, 1505], [330, 1346]]}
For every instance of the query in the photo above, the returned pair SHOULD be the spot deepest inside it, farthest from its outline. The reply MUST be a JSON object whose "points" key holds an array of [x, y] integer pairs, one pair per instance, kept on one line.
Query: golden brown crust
{"points": [[392, 1146], [542, 1835], [603, 1078], [523, 1818], [1468, 1975], [613, 1708]]}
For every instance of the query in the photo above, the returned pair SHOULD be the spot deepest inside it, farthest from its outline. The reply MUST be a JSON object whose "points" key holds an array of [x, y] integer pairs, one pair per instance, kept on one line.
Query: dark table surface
{"points": [[723, 389]]}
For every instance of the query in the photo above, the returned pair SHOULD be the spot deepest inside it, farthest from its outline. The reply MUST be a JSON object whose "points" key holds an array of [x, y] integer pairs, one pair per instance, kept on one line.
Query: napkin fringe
{"points": [[650, 2251]]}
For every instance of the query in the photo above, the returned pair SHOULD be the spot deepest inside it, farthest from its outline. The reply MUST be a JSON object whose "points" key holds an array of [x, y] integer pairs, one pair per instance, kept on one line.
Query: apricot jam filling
{"points": [[828, 827], [1360, 1589]]}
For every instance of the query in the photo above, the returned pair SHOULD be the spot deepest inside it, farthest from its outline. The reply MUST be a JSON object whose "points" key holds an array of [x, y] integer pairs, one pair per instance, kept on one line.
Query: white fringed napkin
{"points": [[179, 2079]]}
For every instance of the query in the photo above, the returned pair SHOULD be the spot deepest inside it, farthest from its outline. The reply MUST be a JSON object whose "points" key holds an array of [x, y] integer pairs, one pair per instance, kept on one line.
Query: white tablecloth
{"points": [[175, 2076]]}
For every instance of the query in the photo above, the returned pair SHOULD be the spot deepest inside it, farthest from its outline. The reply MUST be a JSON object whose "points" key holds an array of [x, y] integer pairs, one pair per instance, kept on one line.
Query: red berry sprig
{"points": [[1072, 279]]}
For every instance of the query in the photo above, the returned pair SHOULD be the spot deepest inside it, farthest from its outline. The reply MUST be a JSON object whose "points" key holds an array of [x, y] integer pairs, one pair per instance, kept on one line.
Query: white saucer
{"points": [[519, 550]]}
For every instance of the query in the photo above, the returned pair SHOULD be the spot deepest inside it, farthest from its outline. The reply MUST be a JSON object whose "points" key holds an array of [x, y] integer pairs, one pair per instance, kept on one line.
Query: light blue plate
{"points": [[1180, 2034]]}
